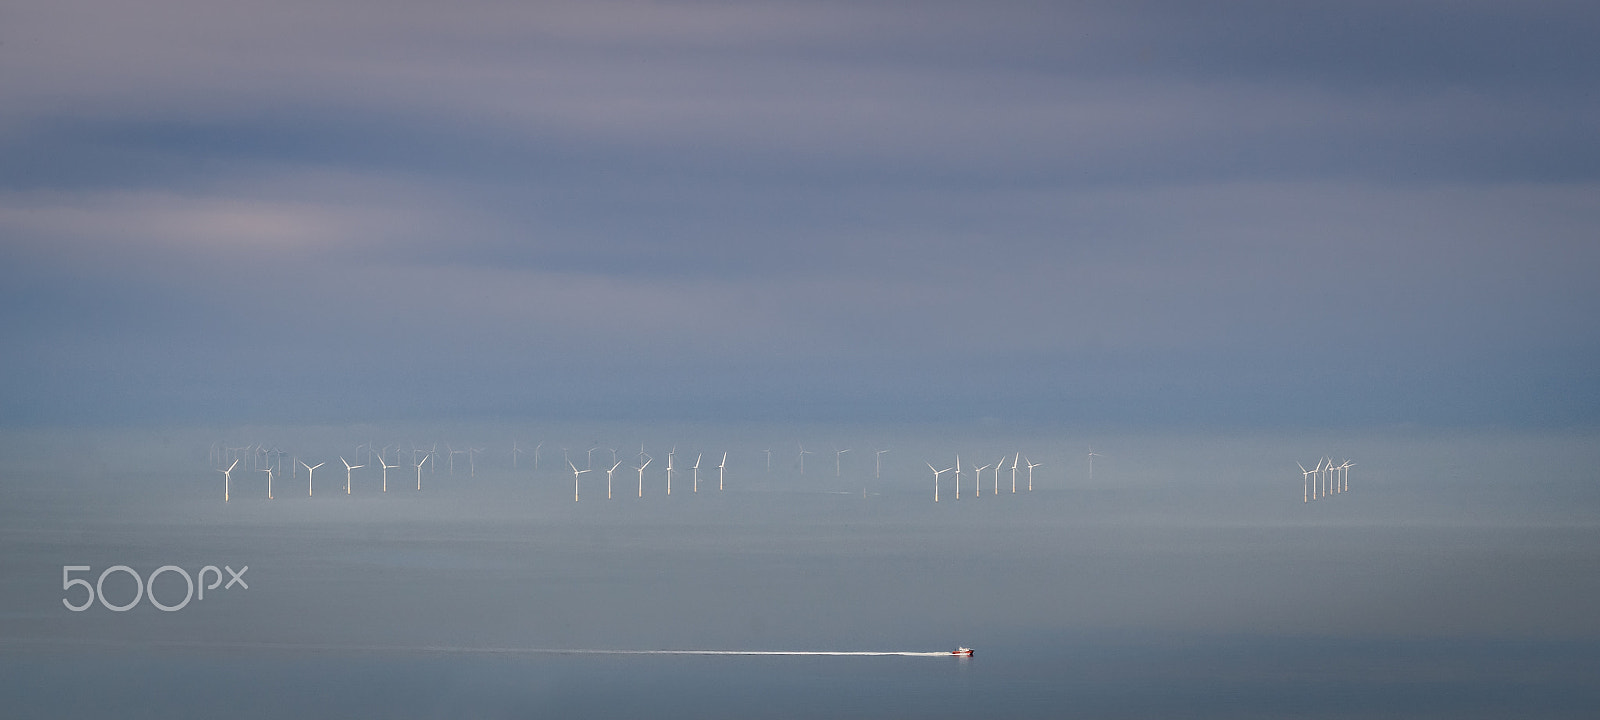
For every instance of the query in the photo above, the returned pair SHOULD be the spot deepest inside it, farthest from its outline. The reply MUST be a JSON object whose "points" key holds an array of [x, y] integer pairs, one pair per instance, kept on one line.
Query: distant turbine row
{"points": [[977, 474], [1325, 479]]}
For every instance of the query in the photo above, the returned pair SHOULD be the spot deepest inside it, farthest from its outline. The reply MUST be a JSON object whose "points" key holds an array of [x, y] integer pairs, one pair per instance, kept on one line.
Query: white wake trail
{"points": [[464, 649]]}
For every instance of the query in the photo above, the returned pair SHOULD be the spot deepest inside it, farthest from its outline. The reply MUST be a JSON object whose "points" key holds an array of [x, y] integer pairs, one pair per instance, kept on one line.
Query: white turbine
{"points": [[575, 473], [268, 471], [641, 468], [803, 453], [670, 455], [310, 471], [1092, 456], [836, 455], [1031, 465], [1014, 473], [608, 478], [997, 465], [1305, 483], [936, 474], [977, 485], [958, 477], [697, 471], [769, 460], [347, 468], [227, 480], [386, 468], [877, 467], [720, 469], [424, 459], [472, 464]]}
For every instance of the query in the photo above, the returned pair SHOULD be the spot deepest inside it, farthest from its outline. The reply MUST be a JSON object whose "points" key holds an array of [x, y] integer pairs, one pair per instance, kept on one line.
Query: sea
{"points": [[1191, 575]]}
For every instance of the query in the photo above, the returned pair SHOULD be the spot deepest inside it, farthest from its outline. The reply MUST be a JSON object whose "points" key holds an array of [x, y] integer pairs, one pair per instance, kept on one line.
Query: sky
{"points": [[1143, 214]]}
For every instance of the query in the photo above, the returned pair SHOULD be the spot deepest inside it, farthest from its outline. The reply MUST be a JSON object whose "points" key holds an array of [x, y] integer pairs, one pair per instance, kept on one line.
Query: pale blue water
{"points": [[1186, 580]]}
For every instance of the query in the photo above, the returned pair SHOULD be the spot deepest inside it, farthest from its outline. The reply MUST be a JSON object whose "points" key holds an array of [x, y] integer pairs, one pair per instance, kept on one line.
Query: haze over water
{"points": [[1188, 579], [1214, 240]]}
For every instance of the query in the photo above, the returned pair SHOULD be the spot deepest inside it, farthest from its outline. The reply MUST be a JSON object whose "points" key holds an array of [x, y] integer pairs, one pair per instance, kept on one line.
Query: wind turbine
{"points": [[451, 451], [1014, 473], [769, 460], [877, 467], [1092, 455], [1346, 466], [472, 464], [1305, 483], [514, 452], [536, 455], [997, 465], [936, 474], [977, 484], [719, 470], [591, 457], [670, 455], [803, 453], [608, 478], [575, 473], [347, 468], [641, 468], [310, 471], [836, 455], [386, 468], [1031, 465], [268, 471], [227, 480], [419, 469], [697, 471], [958, 477]]}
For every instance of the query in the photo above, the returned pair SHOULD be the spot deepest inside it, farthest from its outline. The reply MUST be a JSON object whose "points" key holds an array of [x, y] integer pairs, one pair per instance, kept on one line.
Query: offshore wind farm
{"points": [[1066, 292]]}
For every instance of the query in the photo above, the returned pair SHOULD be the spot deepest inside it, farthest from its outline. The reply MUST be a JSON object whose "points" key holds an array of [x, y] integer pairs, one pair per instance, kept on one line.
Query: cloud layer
{"points": [[1070, 212]]}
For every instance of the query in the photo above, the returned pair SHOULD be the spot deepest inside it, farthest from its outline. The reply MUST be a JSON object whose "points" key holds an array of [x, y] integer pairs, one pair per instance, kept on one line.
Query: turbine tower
{"points": [[803, 453], [936, 474], [1014, 473], [419, 468], [958, 477], [310, 471], [720, 469], [641, 468], [608, 478], [1305, 483], [1092, 456], [836, 455], [227, 480], [670, 455], [575, 473], [347, 468], [268, 471], [386, 468], [697, 471], [977, 484], [877, 466]]}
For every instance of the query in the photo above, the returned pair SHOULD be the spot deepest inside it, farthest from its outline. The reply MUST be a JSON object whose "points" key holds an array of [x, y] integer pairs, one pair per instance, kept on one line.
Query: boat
{"points": [[962, 652]]}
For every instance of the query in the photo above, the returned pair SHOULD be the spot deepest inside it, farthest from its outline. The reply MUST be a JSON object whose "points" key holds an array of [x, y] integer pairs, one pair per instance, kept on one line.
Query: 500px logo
{"points": [[97, 590]]}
